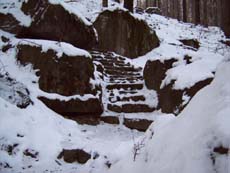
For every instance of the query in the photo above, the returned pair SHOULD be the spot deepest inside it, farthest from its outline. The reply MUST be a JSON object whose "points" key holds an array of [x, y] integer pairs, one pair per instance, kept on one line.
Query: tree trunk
{"points": [[105, 3], [128, 4]]}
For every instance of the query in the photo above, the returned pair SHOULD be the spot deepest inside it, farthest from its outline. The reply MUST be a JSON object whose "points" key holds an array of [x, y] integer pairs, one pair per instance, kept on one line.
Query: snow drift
{"points": [[198, 140]]}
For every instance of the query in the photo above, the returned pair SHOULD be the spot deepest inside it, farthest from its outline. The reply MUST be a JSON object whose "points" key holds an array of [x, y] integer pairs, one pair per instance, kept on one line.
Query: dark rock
{"points": [[5, 39], [138, 124], [170, 100], [53, 22], [5, 48], [188, 59], [120, 32], [75, 155], [130, 108], [31, 153], [8, 23], [110, 119], [153, 10], [84, 112], [227, 42], [191, 42], [221, 150], [155, 72], [67, 75]]}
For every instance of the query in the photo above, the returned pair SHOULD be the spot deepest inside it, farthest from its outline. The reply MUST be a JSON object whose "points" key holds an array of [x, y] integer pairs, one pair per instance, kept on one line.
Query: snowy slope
{"points": [[186, 143]]}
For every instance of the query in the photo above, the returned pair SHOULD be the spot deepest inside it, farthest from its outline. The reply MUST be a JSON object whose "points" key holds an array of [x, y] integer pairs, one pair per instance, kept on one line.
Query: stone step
{"points": [[123, 68], [123, 77], [130, 108], [121, 72], [125, 86], [136, 98], [138, 124]]}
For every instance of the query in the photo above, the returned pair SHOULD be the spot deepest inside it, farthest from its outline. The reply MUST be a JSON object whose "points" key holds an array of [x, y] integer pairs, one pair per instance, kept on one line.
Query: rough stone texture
{"points": [[75, 155], [155, 72], [138, 124], [191, 42], [9, 23], [110, 119], [195, 11], [120, 32], [65, 75], [170, 100], [53, 22], [13, 91], [84, 112]]}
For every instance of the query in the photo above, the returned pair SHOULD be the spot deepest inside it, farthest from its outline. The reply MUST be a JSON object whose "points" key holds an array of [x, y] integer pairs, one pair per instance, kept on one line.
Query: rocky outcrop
{"points": [[170, 100], [118, 31], [67, 75], [54, 22], [64, 74], [13, 91], [75, 155]]}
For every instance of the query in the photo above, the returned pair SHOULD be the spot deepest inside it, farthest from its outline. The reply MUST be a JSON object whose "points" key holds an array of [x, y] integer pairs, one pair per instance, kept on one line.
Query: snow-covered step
{"points": [[130, 108]]}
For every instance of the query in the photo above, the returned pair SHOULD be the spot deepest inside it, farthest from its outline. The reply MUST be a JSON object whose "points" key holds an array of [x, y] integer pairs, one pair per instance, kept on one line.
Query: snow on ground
{"points": [[178, 144], [186, 143], [38, 129]]}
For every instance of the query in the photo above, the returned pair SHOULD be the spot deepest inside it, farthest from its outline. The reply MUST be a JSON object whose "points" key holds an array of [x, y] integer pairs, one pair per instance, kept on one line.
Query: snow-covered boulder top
{"points": [[59, 47], [50, 20]]}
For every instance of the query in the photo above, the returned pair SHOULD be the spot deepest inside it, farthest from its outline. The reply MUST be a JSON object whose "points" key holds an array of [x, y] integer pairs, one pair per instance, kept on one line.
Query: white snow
{"points": [[171, 145], [185, 144], [59, 47], [14, 7]]}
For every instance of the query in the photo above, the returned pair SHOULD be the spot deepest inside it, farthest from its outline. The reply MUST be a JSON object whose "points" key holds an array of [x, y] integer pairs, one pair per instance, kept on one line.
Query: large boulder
{"points": [[64, 72], [57, 22], [65, 75], [170, 100], [120, 32]]}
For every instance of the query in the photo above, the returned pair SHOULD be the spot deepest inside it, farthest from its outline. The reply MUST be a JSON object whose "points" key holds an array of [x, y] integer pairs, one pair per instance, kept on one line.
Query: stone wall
{"points": [[205, 12]]}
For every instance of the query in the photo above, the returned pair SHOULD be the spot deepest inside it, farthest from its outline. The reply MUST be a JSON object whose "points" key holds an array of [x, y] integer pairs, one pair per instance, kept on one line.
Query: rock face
{"points": [[68, 75], [120, 32], [82, 111], [170, 99], [54, 22], [13, 91]]}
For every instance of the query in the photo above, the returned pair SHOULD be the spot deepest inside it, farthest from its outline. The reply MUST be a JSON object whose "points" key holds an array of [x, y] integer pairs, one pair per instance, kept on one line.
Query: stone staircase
{"points": [[123, 91]]}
